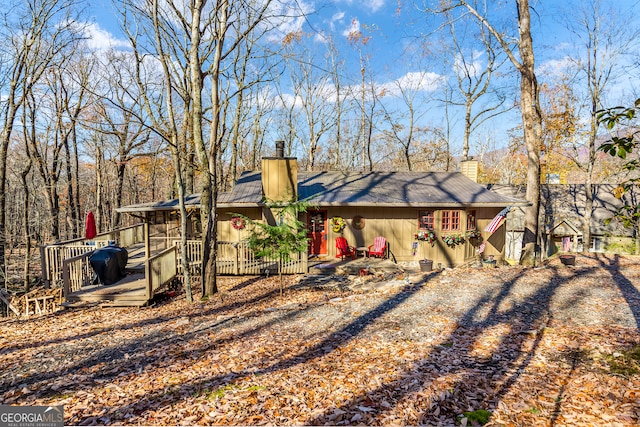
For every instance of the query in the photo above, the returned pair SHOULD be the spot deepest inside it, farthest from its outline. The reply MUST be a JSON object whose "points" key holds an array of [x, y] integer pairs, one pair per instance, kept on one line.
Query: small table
{"points": [[362, 250]]}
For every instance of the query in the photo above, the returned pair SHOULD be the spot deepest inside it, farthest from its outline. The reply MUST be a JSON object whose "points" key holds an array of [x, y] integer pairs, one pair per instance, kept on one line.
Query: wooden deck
{"points": [[67, 265], [130, 291]]}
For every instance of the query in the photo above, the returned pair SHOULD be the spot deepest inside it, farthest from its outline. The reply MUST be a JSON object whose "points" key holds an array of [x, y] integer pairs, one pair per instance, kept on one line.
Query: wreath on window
{"points": [[337, 224], [238, 223]]}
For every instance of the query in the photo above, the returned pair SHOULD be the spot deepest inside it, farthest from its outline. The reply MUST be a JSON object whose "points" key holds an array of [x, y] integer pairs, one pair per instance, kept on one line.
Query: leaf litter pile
{"points": [[550, 345]]}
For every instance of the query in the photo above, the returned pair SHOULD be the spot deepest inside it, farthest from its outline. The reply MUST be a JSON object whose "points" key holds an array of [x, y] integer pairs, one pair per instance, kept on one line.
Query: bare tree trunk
{"points": [[211, 241], [26, 279], [72, 219], [120, 169], [207, 192], [9, 119], [532, 123], [77, 207], [99, 185], [176, 154], [531, 119]]}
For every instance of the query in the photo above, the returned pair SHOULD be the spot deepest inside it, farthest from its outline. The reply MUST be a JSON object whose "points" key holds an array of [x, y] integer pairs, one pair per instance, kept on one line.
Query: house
{"points": [[562, 219], [395, 205]]}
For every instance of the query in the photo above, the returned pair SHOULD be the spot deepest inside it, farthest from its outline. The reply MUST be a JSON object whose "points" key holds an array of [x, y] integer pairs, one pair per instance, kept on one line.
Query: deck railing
{"points": [[67, 264], [54, 256], [161, 269], [124, 237], [236, 258], [76, 273], [51, 256]]}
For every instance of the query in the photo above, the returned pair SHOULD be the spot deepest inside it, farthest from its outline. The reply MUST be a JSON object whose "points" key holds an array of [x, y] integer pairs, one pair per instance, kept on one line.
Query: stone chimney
{"points": [[469, 168], [280, 176]]}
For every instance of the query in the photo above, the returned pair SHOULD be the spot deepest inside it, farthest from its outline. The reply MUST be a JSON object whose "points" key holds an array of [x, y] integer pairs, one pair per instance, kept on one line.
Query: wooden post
{"points": [[66, 278], [305, 262], [44, 266], [147, 241], [236, 266]]}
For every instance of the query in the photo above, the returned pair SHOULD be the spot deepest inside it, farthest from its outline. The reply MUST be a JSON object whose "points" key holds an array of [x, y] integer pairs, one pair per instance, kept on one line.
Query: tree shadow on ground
{"points": [[514, 353], [160, 397], [525, 315], [129, 356], [628, 290]]}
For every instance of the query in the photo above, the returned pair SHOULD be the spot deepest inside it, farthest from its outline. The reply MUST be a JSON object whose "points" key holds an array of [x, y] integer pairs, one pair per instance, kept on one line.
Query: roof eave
{"points": [[422, 204]]}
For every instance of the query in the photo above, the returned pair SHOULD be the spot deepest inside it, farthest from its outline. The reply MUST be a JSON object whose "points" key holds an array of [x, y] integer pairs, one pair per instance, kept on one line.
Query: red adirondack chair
{"points": [[379, 247], [343, 249]]}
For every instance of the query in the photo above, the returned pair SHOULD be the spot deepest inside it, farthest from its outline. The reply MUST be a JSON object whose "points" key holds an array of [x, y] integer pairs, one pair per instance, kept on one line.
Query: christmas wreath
{"points": [[238, 223], [337, 224]]}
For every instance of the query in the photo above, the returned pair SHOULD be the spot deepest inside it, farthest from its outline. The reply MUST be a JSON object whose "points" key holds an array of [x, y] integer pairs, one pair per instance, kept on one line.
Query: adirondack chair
{"points": [[379, 247], [343, 249]]}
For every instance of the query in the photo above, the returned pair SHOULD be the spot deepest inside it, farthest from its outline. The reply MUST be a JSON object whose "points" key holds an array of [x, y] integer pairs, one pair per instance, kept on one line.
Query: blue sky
{"points": [[391, 24], [395, 26]]}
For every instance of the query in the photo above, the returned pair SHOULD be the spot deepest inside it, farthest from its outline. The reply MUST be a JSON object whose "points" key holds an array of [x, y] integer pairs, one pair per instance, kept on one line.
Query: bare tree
{"points": [[251, 70], [36, 31], [406, 125], [524, 63], [244, 17], [313, 92], [474, 77], [163, 92], [603, 41], [120, 123]]}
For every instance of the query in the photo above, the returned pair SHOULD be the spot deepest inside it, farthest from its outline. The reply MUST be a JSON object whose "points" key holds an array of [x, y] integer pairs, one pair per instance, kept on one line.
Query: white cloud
{"points": [[373, 5], [556, 67], [353, 28], [465, 68], [287, 17], [321, 37], [419, 81], [337, 18], [100, 39], [370, 5]]}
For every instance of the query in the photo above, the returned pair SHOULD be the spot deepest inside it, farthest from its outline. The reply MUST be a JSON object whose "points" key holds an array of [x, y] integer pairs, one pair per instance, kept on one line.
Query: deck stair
{"points": [[130, 291]]}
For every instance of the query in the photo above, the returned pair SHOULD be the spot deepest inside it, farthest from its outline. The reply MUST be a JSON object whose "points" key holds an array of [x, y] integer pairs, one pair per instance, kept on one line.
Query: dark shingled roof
{"points": [[392, 189], [396, 189], [566, 203]]}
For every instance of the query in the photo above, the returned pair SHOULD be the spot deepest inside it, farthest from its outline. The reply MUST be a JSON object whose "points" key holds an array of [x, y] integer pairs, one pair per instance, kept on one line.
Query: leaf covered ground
{"points": [[551, 345]]}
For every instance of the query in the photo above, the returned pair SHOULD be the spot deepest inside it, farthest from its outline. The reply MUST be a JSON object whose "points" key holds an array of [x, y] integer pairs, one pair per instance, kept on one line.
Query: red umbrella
{"points": [[90, 228]]}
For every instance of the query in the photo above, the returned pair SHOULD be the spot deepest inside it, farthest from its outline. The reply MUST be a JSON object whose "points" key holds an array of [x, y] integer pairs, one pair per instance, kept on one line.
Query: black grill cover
{"points": [[109, 264]]}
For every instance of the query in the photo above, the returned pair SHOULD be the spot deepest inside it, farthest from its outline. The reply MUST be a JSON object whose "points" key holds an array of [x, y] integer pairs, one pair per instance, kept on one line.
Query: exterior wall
{"points": [[226, 232], [399, 225]]}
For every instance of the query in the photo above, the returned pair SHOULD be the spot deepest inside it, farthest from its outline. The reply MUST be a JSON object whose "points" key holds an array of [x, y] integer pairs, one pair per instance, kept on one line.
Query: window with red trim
{"points": [[425, 220], [450, 220], [471, 220]]}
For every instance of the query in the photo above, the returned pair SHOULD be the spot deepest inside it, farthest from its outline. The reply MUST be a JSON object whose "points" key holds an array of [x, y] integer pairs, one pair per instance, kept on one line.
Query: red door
{"points": [[317, 232]]}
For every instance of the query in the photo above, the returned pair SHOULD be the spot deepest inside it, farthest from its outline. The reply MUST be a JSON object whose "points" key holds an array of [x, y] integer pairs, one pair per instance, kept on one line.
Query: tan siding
{"points": [[227, 233], [279, 178], [398, 226]]}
